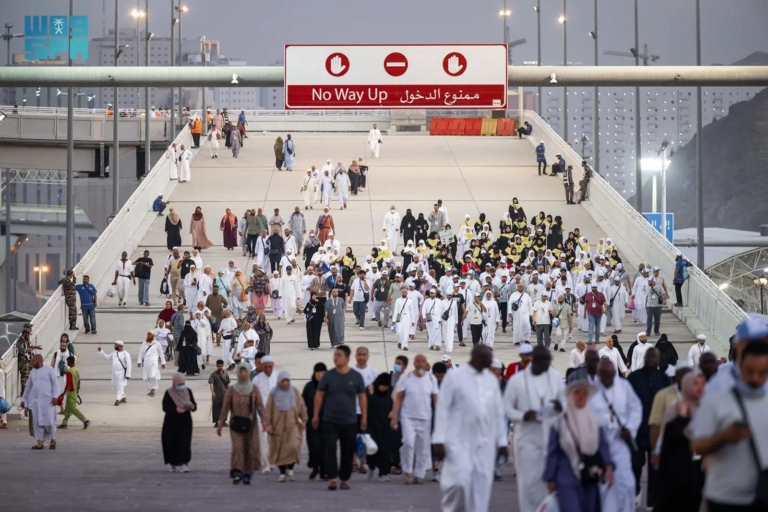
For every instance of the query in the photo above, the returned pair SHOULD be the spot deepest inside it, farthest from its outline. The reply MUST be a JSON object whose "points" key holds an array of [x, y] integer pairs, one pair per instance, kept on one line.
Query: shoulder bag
{"points": [[243, 424], [447, 313], [591, 466], [401, 310], [761, 491], [614, 296], [429, 313]]}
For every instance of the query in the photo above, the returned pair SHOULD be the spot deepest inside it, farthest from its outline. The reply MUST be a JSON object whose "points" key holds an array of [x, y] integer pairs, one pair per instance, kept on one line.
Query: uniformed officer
{"points": [[70, 297]]}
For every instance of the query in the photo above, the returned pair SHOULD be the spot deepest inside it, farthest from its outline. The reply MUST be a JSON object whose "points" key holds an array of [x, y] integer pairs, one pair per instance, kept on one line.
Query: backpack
{"points": [[686, 273], [62, 367]]}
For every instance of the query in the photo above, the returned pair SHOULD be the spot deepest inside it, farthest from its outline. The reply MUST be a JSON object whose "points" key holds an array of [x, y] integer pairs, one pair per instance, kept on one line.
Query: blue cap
{"points": [[751, 328]]}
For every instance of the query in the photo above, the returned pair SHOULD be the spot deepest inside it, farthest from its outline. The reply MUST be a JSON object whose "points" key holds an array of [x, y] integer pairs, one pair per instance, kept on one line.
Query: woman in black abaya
{"points": [[187, 347]]}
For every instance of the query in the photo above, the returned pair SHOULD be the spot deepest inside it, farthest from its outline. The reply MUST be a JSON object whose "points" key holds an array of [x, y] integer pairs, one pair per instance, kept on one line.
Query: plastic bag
{"points": [[631, 306], [370, 445], [112, 290], [360, 447], [549, 504], [5, 406]]}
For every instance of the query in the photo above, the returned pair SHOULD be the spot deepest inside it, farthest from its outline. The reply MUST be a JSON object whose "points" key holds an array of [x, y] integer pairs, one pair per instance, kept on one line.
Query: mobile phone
{"points": [[742, 424]]}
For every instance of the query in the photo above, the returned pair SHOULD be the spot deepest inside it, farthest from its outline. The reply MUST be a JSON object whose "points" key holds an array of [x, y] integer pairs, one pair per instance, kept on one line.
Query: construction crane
{"points": [[645, 56], [512, 44]]}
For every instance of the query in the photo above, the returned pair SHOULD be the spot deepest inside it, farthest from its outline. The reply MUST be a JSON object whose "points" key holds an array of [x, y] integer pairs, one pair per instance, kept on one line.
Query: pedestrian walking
{"points": [[88, 302], [315, 444], [287, 416], [176, 435], [121, 369], [71, 394]]}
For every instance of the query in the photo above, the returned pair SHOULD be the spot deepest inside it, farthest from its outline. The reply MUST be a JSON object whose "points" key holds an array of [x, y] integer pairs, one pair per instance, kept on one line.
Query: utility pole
{"points": [[7, 36], [638, 170], [595, 110], [538, 46], [564, 21], [173, 63], [147, 113], [699, 162], [70, 230], [8, 258], [114, 162], [204, 112]]}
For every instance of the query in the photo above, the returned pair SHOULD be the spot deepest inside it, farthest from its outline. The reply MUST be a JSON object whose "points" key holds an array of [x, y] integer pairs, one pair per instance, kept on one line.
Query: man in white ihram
{"points": [[405, 314], [151, 359], [532, 401], [392, 228], [432, 311], [290, 291], [698, 350], [415, 394], [470, 403], [520, 309], [619, 411], [266, 381], [121, 370], [40, 398], [374, 141]]}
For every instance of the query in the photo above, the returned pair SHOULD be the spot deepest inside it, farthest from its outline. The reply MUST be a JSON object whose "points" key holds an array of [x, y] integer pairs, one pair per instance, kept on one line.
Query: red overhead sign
{"points": [[395, 76]]}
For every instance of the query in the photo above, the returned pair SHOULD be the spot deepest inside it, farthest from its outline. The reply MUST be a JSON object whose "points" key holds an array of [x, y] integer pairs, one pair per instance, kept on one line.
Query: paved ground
{"points": [[122, 470]]}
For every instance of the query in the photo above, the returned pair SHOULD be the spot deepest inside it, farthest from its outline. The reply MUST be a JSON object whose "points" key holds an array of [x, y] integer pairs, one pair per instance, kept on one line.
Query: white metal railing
{"points": [[123, 233], [714, 308]]}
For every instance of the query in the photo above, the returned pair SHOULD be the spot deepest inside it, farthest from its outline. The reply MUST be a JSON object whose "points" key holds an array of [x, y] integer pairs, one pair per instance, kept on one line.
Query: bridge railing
{"points": [[122, 233], [715, 309]]}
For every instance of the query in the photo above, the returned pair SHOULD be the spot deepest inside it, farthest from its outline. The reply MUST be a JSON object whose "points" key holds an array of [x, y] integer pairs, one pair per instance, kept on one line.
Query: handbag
{"points": [[761, 491], [164, 287], [275, 294], [243, 424]]}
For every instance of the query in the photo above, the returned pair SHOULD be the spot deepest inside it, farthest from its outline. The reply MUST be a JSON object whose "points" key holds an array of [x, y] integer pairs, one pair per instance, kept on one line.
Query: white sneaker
{"points": [[291, 476], [361, 328], [384, 478], [266, 471], [183, 469], [173, 469], [282, 478]]}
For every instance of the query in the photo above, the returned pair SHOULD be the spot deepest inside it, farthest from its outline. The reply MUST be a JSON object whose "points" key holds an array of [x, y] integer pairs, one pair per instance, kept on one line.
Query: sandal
{"points": [[52, 446], [38, 447], [344, 486], [355, 467], [332, 485], [363, 471]]}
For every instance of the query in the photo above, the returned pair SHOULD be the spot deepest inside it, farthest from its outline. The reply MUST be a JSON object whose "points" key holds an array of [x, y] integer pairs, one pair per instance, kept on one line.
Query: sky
{"points": [[256, 30]]}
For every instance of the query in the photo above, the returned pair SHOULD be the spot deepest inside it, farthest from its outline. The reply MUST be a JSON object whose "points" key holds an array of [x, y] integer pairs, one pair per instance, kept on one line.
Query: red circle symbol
{"points": [[337, 64], [396, 64], [455, 64]]}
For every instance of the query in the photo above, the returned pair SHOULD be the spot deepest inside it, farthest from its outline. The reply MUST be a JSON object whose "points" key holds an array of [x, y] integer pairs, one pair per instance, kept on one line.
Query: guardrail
{"points": [[715, 309], [123, 233]]}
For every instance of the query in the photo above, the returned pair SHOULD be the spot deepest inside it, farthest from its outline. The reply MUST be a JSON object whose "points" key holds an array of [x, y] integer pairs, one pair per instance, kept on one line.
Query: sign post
{"points": [[655, 220], [365, 77]]}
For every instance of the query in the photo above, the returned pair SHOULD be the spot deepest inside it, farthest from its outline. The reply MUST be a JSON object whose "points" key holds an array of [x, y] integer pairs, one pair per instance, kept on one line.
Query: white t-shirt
{"points": [[417, 402], [369, 374], [161, 335], [358, 294]]}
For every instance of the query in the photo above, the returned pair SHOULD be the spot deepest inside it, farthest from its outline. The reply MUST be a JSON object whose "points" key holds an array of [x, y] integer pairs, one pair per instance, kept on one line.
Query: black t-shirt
{"points": [[341, 390], [185, 264], [140, 271]]}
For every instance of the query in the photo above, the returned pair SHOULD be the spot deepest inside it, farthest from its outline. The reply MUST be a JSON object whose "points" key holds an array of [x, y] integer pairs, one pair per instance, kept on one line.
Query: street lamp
{"points": [[40, 270], [181, 9], [662, 154], [537, 9], [504, 14], [7, 36], [761, 282], [563, 21], [595, 101], [138, 14]]}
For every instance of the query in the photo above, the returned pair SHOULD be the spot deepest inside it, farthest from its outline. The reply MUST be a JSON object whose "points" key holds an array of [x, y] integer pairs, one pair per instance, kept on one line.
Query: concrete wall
{"points": [[93, 128], [46, 157]]}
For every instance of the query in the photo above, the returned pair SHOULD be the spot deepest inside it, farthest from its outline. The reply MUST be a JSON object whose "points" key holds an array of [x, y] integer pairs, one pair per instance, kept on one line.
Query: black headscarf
{"points": [[189, 334], [667, 353], [319, 367], [384, 379], [617, 346]]}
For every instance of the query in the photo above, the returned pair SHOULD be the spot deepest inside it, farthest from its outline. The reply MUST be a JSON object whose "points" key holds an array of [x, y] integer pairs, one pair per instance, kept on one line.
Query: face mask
{"points": [[397, 368], [181, 387]]}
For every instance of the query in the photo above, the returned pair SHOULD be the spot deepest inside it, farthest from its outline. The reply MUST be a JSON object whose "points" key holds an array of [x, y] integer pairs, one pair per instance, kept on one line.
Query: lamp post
{"points": [[595, 108], [7, 36], [69, 244], [147, 139], [174, 20], [563, 21], [137, 14], [699, 171], [537, 8], [638, 154], [181, 9], [761, 282], [8, 270], [662, 155], [504, 14], [114, 162], [40, 271]]}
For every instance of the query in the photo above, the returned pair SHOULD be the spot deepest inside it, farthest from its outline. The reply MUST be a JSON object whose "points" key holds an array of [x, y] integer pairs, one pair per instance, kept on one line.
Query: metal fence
{"points": [[123, 233], [715, 309]]}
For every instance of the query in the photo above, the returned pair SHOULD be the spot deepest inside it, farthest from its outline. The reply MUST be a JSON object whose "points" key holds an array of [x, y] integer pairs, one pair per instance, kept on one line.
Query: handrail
{"points": [[123, 233], [714, 308]]}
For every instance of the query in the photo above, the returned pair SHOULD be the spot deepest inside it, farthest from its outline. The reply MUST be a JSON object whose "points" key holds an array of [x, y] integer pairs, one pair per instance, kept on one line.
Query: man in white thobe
{"points": [[639, 294], [533, 400], [698, 350], [151, 360], [266, 381], [190, 289], [40, 398], [290, 291], [521, 325], [492, 319], [619, 411], [326, 184], [173, 162], [638, 355], [374, 141], [183, 159], [343, 186], [452, 323], [613, 355], [432, 311], [392, 228], [617, 298], [248, 334], [121, 370], [577, 354], [291, 244], [123, 278], [470, 402], [405, 314], [308, 188]]}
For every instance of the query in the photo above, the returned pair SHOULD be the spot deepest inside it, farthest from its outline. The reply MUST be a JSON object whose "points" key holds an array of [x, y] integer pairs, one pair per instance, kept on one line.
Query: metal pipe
{"points": [[114, 162], [638, 150], [664, 192], [181, 63], [70, 212], [173, 63], [595, 112], [538, 47], [8, 260], [147, 113], [565, 63], [699, 161], [272, 76], [203, 111], [692, 242]]}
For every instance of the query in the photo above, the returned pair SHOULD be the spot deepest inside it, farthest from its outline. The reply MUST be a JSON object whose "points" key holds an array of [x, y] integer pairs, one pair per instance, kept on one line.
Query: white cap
{"points": [[496, 363], [267, 359], [118, 342], [656, 268], [445, 358], [701, 337], [535, 272], [526, 349]]}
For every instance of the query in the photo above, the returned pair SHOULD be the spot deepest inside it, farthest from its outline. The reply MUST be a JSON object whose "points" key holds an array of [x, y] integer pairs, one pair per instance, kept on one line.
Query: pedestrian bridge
{"points": [[470, 174]]}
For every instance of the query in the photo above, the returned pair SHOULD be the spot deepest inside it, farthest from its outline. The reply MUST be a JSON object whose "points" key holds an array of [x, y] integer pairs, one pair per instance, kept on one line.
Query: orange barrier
{"points": [[506, 127], [489, 127], [456, 126], [435, 126], [473, 126]]}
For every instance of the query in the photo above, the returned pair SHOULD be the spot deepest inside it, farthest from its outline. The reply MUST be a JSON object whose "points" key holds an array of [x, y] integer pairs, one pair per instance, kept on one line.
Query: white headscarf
{"points": [[582, 424], [409, 248]]}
